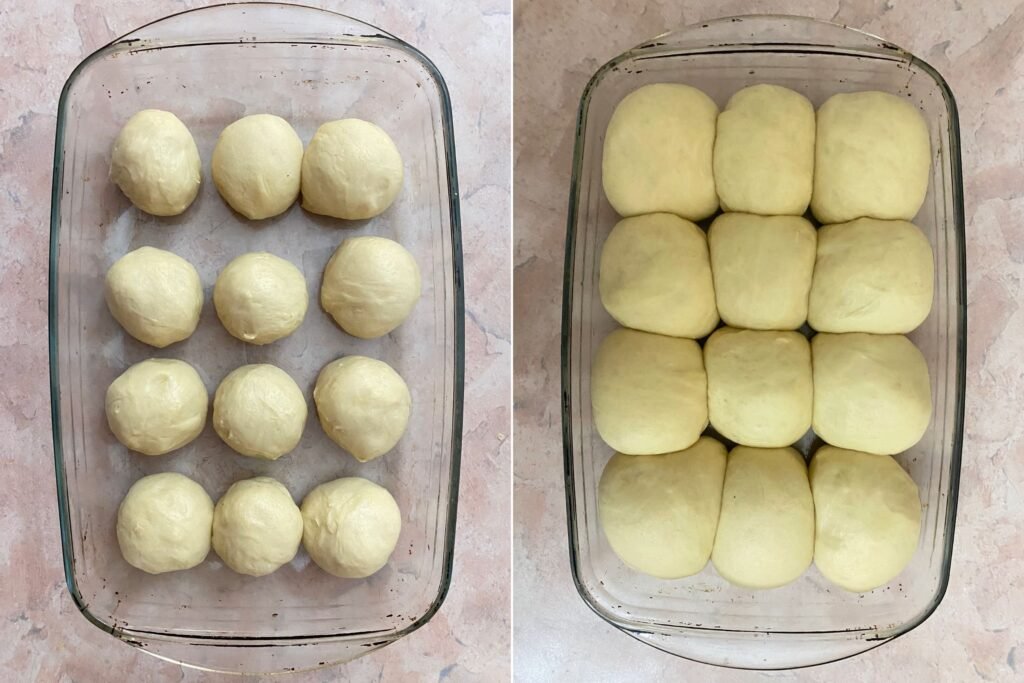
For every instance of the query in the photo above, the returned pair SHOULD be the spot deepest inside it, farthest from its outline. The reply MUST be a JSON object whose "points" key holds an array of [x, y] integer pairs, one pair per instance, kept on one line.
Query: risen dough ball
{"points": [[655, 276], [259, 411], [164, 522], [872, 158], [765, 533], [659, 512], [156, 164], [155, 295], [260, 298], [351, 170], [657, 152], [257, 527], [256, 165], [868, 518], [762, 269], [157, 405], [759, 386], [649, 392], [363, 405], [370, 286], [764, 151], [350, 526], [871, 392], [871, 276]]}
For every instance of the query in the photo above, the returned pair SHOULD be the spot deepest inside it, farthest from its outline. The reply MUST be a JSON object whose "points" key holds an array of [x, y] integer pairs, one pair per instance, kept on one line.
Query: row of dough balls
{"points": [[759, 516], [661, 273], [167, 522], [668, 149], [159, 405], [351, 168], [654, 394]]}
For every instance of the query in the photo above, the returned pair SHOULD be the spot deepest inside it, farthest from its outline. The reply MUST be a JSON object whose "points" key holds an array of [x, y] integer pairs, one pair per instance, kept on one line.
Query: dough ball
{"points": [[765, 533], [659, 512], [759, 386], [762, 267], [350, 526], [257, 164], [370, 286], [156, 164], [260, 298], [655, 276], [871, 276], [657, 152], [157, 406], [872, 158], [257, 527], [164, 523], [649, 392], [871, 392], [259, 411], [764, 151], [363, 405], [351, 170], [868, 518], [155, 295]]}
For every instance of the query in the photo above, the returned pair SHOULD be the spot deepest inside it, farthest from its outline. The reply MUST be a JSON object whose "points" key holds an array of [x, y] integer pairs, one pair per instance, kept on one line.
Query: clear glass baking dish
{"points": [[703, 617], [211, 66]]}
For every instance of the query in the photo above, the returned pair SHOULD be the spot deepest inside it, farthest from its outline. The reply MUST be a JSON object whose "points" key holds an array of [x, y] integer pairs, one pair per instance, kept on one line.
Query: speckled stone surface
{"points": [[977, 633]]}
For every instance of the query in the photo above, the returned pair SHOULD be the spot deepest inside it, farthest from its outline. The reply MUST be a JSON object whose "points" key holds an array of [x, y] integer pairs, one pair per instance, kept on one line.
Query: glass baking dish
{"points": [[703, 617], [210, 67]]}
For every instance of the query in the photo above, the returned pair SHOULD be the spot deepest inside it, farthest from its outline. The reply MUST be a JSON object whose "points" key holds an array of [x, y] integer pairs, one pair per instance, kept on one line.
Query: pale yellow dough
{"points": [[257, 164], [259, 411], [260, 298], [257, 527]]}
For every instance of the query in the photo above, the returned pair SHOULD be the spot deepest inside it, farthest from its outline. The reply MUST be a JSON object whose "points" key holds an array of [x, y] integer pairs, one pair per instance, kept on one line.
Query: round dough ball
{"points": [[871, 392], [156, 163], [655, 276], [658, 152], [260, 298], [659, 512], [351, 170], [155, 295], [259, 411], [157, 406], [867, 518], [871, 276], [370, 286], [649, 392], [257, 527], [257, 164], [363, 405], [350, 526], [164, 523], [765, 533], [762, 267], [759, 386], [872, 157]]}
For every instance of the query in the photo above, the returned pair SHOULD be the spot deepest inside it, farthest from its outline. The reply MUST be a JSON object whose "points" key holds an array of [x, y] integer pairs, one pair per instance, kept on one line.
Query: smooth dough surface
{"points": [[164, 523], [867, 518], [259, 411], [765, 533], [260, 298], [257, 164], [155, 295], [257, 527], [872, 158], [871, 276], [156, 163], [157, 406], [871, 392], [648, 392], [762, 267], [660, 512], [764, 151], [350, 526], [658, 152]]}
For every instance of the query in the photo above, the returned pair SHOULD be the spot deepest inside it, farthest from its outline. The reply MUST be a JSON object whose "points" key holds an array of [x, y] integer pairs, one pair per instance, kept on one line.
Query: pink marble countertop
{"points": [[977, 633], [42, 638]]}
